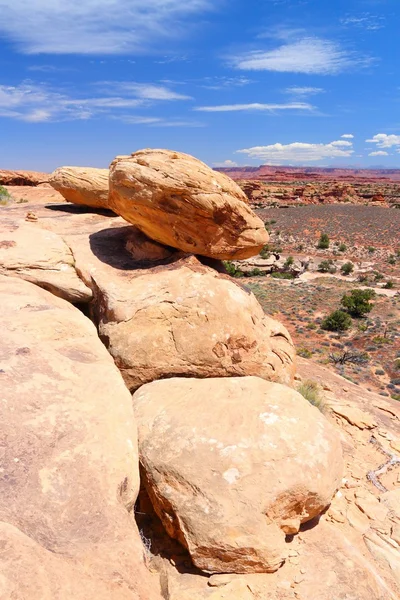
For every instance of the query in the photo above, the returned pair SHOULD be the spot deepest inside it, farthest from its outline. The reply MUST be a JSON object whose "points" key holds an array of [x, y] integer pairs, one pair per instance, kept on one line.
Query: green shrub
{"points": [[231, 269], [389, 285], [347, 268], [371, 249], [338, 320], [4, 196], [342, 247], [357, 303], [278, 275], [392, 260], [289, 262], [378, 276], [327, 266], [265, 252], [310, 391], [323, 242], [304, 352]]}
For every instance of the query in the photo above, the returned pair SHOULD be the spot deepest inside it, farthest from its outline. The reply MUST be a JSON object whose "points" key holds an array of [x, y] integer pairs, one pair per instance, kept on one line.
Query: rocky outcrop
{"points": [[69, 471], [179, 319], [82, 185], [22, 178], [178, 201], [42, 257], [234, 465]]}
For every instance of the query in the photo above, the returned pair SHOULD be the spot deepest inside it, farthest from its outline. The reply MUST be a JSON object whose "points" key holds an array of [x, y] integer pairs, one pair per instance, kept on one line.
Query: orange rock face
{"points": [[179, 201], [82, 185]]}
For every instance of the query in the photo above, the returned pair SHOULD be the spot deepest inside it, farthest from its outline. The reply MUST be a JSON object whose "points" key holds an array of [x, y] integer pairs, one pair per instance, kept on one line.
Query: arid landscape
{"points": [[267, 462]]}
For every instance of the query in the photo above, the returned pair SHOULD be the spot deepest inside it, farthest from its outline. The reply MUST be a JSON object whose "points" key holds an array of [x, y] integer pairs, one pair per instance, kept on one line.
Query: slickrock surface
{"points": [[179, 201], [42, 257], [69, 473], [82, 185], [232, 465]]}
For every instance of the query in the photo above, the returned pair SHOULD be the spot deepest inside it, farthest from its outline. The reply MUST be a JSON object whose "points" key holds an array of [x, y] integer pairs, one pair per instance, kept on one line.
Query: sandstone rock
{"points": [[354, 416], [22, 178], [69, 472], [184, 319], [232, 465], [177, 200], [82, 185], [41, 257]]}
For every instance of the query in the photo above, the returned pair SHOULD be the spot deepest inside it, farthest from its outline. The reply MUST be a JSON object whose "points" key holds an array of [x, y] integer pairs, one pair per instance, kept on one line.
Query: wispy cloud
{"points": [[221, 83], [158, 121], [349, 136], [96, 26], [383, 140], [366, 21], [299, 152], [309, 55], [34, 102], [303, 92], [225, 163], [379, 153], [256, 106]]}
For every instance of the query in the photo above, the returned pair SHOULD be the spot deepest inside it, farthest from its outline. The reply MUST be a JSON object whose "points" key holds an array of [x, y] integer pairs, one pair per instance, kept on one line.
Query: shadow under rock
{"points": [[77, 209], [156, 540], [110, 246]]}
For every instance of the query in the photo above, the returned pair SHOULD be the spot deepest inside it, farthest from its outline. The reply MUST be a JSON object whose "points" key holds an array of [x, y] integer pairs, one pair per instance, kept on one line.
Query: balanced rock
{"points": [[42, 257], [69, 468], [233, 465], [82, 185], [179, 201], [185, 319]]}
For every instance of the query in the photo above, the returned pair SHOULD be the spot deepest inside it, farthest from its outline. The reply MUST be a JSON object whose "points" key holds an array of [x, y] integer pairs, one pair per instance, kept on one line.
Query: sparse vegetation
{"points": [[338, 320], [357, 303], [323, 242], [5, 196], [347, 268], [342, 247], [327, 266], [310, 390], [278, 275]]}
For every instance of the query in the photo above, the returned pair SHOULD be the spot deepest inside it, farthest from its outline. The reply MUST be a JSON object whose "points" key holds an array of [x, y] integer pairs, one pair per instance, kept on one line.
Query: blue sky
{"points": [[241, 82]]}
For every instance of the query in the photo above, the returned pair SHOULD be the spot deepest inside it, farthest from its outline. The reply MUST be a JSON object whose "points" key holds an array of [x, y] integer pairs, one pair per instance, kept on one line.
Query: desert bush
{"points": [[392, 260], [371, 249], [323, 242], [378, 276], [5, 196], [288, 262], [342, 247], [304, 352], [348, 356], [357, 303], [231, 269], [278, 275], [347, 268], [310, 390], [389, 285], [327, 266], [265, 252], [338, 320]]}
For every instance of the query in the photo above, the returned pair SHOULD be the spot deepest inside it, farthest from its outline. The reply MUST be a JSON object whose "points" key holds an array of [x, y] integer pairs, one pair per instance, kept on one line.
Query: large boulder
{"points": [[69, 465], [82, 185], [182, 319], [234, 465], [22, 178], [41, 257], [179, 201]]}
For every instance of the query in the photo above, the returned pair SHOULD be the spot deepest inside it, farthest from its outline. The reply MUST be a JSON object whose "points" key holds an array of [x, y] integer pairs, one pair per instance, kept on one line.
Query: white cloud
{"points": [[350, 136], [33, 102], [95, 26], [226, 163], [379, 153], [148, 91], [255, 106], [299, 152], [383, 140], [303, 91], [221, 83], [365, 21], [309, 55]]}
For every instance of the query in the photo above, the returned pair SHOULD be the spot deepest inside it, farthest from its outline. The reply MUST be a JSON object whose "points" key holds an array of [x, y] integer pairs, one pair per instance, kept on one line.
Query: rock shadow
{"points": [[77, 209]]}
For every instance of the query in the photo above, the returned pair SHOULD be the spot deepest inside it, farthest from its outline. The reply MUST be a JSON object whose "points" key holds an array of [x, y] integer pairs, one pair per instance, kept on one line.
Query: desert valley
{"points": [[201, 382]]}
